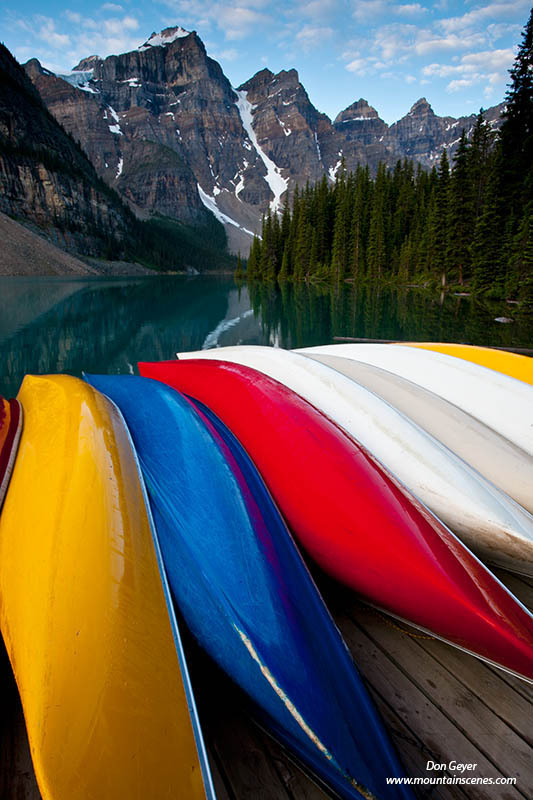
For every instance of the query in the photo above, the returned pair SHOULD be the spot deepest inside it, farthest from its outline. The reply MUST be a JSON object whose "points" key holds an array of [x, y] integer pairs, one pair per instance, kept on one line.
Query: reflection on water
{"points": [[65, 325], [301, 316], [107, 325]]}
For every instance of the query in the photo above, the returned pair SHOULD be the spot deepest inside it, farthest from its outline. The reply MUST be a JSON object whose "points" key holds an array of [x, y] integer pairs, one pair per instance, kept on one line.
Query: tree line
{"points": [[465, 223]]}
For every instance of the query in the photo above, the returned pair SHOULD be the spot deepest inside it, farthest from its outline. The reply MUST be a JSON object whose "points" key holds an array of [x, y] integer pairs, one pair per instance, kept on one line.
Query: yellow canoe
{"points": [[83, 609], [517, 366]]}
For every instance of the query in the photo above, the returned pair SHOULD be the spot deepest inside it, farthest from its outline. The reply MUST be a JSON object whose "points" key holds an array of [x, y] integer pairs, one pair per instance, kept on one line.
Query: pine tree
{"points": [[285, 273], [516, 133], [376, 249], [442, 238], [521, 260], [488, 271], [480, 161], [253, 259], [339, 249], [356, 248], [461, 222], [239, 274]]}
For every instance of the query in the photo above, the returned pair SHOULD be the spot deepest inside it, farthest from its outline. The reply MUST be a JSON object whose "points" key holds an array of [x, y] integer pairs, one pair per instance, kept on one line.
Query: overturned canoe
{"points": [[488, 521], [354, 520], [245, 592], [512, 364], [10, 430], [500, 461], [501, 402], [83, 610]]}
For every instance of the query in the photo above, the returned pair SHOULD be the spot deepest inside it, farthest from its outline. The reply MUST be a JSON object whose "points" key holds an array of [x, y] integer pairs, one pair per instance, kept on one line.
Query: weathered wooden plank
{"points": [[248, 770], [527, 579], [427, 720], [222, 790], [521, 687], [299, 786], [506, 750], [17, 778], [518, 585], [489, 687], [412, 751]]}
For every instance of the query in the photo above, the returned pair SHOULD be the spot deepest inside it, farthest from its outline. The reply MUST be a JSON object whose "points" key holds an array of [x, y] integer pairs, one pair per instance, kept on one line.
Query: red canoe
{"points": [[355, 520], [10, 429]]}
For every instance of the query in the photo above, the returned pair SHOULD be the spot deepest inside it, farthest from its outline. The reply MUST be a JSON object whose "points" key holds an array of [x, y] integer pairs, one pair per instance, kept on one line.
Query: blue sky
{"points": [[455, 54]]}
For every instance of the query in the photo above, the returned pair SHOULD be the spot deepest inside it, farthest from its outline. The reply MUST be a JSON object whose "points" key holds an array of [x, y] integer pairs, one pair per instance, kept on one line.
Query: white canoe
{"points": [[503, 403], [500, 461], [490, 522]]}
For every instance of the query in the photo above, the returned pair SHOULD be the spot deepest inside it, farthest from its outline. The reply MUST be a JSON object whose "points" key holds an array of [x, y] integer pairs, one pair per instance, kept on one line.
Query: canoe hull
{"points": [[357, 523], [486, 519], [481, 392], [511, 364], [83, 612], [498, 460], [231, 563]]}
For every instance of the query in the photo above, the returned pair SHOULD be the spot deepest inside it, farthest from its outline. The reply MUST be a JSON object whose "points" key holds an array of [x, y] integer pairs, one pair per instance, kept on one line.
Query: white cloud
{"points": [[235, 19], [312, 9], [73, 16], [366, 10], [313, 35], [410, 10], [238, 22], [461, 83], [359, 66], [488, 67], [489, 61], [479, 16], [48, 33], [111, 7], [118, 26], [229, 55]]}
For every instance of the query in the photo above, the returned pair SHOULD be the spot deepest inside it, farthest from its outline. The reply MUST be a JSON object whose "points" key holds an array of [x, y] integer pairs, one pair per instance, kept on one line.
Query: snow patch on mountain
{"points": [[164, 38], [78, 78], [332, 171], [277, 183], [114, 128], [210, 203]]}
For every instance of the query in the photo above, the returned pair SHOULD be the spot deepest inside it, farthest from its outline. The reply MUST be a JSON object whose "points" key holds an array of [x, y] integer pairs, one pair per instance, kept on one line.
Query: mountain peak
{"points": [[421, 107], [360, 110], [86, 64], [164, 37], [34, 67]]}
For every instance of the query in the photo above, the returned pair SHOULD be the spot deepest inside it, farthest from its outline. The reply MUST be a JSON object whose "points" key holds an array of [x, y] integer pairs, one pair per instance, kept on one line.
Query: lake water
{"points": [[107, 325]]}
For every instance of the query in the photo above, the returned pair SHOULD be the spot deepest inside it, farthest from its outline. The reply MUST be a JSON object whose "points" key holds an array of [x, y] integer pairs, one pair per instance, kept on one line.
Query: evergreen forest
{"points": [[465, 224]]}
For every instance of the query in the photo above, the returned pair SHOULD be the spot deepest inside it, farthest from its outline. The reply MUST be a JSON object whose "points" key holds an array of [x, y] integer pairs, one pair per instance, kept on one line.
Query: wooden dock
{"points": [[439, 704]]}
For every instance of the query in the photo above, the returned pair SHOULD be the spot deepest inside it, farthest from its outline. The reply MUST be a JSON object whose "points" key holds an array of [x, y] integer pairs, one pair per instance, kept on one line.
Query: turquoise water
{"points": [[107, 325]]}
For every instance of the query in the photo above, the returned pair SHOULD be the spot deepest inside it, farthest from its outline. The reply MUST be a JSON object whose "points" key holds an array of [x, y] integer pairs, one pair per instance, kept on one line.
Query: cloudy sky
{"points": [[455, 54]]}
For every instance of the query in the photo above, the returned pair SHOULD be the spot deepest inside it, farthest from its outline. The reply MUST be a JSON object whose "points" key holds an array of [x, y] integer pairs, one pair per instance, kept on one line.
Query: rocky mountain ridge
{"points": [[164, 127], [46, 179]]}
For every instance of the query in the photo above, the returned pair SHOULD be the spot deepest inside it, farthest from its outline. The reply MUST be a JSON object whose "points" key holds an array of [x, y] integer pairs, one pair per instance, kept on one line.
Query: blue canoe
{"points": [[245, 592]]}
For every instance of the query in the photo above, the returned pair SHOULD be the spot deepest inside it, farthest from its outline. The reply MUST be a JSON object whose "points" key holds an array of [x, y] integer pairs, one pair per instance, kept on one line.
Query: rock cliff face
{"points": [[163, 126], [44, 176]]}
